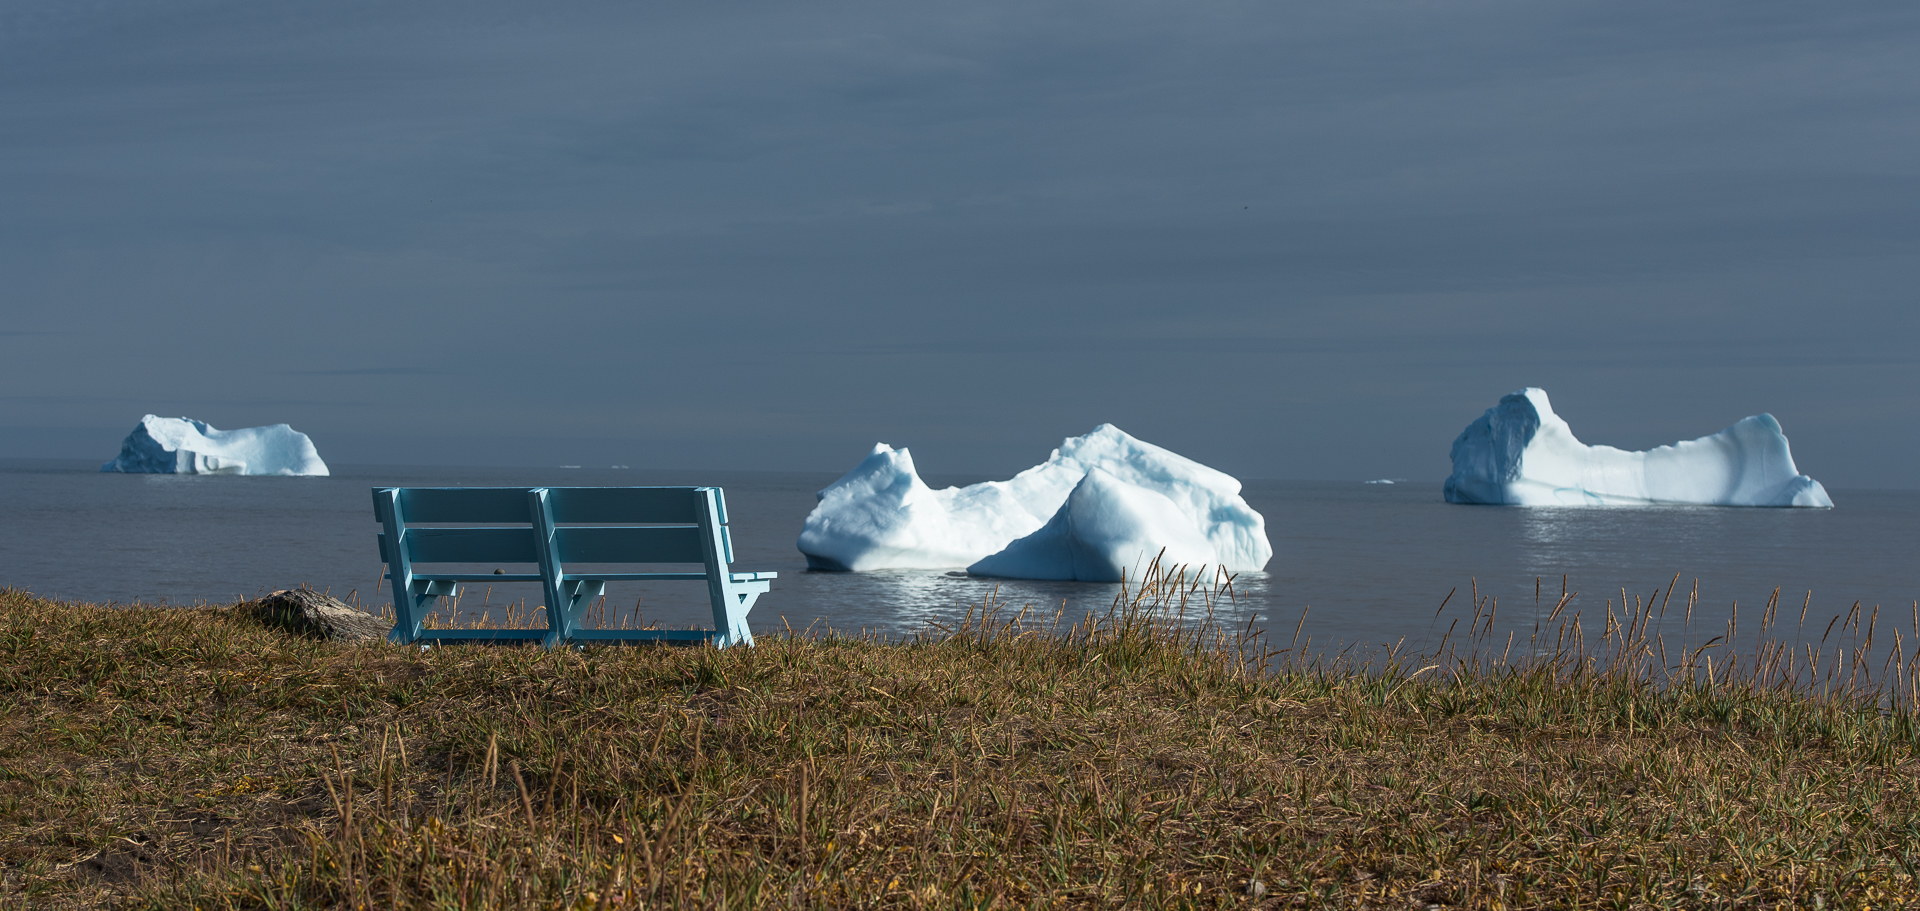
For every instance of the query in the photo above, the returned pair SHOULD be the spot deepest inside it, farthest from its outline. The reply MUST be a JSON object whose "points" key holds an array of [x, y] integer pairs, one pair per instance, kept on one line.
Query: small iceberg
{"points": [[1522, 454], [185, 446], [1101, 504]]}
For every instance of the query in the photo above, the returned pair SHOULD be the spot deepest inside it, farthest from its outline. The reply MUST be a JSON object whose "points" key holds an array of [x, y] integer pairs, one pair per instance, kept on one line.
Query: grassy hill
{"points": [[177, 758]]}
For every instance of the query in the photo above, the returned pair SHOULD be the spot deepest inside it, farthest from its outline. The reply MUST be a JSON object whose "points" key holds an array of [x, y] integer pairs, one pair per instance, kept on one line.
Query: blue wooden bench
{"points": [[552, 527]]}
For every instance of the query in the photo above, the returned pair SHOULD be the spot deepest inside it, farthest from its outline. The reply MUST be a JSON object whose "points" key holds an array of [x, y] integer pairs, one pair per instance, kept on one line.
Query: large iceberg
{"points": [[1102, 503], [1106, 530], [186, 446], [1522, 454]]}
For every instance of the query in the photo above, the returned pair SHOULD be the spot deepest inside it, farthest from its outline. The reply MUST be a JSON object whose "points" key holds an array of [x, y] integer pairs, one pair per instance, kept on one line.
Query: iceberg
{"points": [[1101, 501], [185, 446], [1106, 530], [1522, 454]]}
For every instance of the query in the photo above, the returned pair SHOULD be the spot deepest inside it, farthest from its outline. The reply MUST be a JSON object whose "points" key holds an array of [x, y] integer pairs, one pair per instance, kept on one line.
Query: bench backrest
{"points": [[552, 527], [675, 528]]}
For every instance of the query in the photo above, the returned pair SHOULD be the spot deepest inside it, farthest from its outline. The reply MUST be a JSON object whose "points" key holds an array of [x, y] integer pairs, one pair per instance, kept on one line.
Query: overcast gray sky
{"points": [[1290, 240]]}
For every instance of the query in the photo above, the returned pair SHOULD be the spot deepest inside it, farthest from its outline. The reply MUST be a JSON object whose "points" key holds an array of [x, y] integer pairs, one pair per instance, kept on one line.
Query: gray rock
{"points": [[305, 612]]}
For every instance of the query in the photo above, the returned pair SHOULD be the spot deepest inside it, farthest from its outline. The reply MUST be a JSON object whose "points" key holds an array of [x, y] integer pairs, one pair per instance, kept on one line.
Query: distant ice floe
{"points": [[1103, 504], [1522, 454], [186, 446]]}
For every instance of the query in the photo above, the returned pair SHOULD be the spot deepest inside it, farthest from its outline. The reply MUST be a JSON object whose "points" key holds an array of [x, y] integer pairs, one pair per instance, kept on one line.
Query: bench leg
{"points": [[580, 596], [408, 612], [730, 612], [418, 596]]}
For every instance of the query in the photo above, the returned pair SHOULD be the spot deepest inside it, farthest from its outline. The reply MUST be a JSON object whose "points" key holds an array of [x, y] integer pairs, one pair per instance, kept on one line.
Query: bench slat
{"points": [[666, 505], [635, 577], [477, 577], [679, 505], [483, 635], [464, 504], [470, 545], [656, 544], [688, 636]]}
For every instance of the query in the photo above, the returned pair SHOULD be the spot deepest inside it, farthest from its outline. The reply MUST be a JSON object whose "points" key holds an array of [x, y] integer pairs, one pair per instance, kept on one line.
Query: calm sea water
{"points": [[1366, 563]]}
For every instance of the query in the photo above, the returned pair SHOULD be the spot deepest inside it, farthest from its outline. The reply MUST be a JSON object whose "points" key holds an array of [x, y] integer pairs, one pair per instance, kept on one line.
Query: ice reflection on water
{"points": [[913, 601]]}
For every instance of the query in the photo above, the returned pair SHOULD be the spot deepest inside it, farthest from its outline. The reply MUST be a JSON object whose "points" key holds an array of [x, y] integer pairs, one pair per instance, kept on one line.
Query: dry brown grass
{"points": [[186, 758]]}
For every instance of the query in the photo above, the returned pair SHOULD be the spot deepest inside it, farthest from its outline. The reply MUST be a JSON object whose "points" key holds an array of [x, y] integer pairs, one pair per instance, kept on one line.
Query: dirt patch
{"points": [[121, 865]]}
